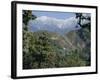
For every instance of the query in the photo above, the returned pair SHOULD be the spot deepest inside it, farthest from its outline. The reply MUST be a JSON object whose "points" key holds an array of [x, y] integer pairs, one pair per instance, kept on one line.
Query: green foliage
{"points": [[74, 59], [40, 50], [81, 17], [27, 15], [36, 48]]}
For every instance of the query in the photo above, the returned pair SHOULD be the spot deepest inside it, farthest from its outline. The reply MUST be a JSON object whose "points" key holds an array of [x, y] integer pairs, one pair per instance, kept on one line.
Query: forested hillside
{"points": [[45, 49]]}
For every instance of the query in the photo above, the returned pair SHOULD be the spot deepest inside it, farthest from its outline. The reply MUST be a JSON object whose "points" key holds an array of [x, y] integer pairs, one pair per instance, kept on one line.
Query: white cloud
{"points": [[53, 24]]}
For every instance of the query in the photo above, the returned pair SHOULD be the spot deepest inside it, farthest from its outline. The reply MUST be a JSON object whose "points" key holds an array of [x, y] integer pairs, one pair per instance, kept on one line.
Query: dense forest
{"points": [[44, 49]]}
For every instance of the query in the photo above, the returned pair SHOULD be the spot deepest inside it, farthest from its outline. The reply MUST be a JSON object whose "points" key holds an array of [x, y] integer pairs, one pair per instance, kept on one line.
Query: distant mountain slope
{"points": [[68, 42], [51, 43], [54, 25], [61, 26], [70, 50]]}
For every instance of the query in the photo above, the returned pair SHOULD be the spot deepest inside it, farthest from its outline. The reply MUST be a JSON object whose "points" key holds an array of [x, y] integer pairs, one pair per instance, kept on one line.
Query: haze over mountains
{"points": [[53, 25], [56, 40]]}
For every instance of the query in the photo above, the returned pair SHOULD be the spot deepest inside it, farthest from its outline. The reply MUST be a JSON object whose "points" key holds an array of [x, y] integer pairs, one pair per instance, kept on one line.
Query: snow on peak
{"points": [[42, 18], [53, 24]]}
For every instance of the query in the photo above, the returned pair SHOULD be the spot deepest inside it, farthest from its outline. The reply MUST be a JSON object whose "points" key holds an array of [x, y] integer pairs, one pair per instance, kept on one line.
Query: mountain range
{"points": [[50, 42], [53, 25]]}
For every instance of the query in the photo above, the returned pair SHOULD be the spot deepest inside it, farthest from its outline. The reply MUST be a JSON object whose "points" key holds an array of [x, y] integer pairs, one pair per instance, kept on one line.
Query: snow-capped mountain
{"points": [[53, 24]]}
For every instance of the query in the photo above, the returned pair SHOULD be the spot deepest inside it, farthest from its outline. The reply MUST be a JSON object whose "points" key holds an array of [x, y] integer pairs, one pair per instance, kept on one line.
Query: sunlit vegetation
{"points": [[43, 49]]}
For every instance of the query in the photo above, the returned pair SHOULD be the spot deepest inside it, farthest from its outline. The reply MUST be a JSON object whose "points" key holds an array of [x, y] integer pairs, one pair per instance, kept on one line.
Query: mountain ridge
{"points": [[54, 25]]}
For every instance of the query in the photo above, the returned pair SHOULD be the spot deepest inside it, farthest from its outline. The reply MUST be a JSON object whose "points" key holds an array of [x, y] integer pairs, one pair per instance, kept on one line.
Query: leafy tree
{"points": [[43, 48], [38, 51], [85, 35], [81, 17], [27, 15], [74, 59], [27, 36]]}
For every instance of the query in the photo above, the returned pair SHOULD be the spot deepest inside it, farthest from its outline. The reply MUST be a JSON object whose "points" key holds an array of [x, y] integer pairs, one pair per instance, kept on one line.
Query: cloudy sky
{"points": [[58, 15]]}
